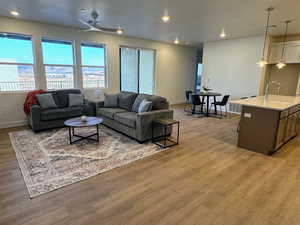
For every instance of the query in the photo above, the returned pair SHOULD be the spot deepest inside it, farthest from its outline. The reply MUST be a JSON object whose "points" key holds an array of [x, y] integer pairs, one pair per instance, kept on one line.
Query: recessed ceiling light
{"points": [[176, 41], [165, 18], [14, 13], [222, 34], [119, 31]]}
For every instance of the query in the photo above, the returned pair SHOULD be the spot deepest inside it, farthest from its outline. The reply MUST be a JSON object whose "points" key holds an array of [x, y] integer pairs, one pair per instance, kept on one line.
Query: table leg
{"points": [[97, 127], [202, 100], [165, 136], [70, 135], [207, 106], [215, 105], [178, 133]]}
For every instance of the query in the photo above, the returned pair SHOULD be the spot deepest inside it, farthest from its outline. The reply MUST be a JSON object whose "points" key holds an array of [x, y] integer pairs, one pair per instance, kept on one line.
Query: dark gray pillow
{"points": [[126, 100], [76, 100], [145, 106], [111, 101], [46, 101]]}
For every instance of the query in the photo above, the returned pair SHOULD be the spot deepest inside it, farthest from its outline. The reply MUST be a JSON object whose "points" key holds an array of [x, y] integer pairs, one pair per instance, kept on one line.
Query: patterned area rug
{"points": [[49, 162]]}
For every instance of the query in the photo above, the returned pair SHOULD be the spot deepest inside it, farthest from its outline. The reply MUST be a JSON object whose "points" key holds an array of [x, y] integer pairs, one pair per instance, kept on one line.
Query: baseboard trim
{"points": [[13, 124]]}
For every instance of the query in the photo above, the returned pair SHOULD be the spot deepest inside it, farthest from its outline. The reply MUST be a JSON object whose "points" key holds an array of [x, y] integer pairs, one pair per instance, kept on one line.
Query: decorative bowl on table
{"points": [[83, 119]]}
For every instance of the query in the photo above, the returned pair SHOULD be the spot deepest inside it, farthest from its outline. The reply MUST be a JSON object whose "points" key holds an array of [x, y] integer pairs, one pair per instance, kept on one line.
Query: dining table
{"points": [[208, 95]]}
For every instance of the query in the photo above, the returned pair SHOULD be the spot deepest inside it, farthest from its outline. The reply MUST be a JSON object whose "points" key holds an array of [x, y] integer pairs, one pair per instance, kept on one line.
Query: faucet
{"points": [[268, 88]]}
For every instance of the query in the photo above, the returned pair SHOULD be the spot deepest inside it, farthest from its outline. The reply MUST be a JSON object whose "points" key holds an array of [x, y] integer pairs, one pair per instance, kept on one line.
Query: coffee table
{"points": [[77, 123]]}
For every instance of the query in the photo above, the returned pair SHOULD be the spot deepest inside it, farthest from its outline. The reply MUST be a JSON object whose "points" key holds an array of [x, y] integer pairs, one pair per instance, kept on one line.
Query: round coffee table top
{"points": [[76, 122]]}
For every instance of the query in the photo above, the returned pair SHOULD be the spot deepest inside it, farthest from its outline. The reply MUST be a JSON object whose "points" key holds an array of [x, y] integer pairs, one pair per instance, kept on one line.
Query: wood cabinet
{"points": [[280, 140], [292, 52], [287, 127], [266, 130]]}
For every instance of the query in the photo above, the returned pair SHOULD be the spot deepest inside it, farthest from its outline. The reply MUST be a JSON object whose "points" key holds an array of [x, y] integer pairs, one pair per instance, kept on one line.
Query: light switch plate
{"points": [[247, 115]]}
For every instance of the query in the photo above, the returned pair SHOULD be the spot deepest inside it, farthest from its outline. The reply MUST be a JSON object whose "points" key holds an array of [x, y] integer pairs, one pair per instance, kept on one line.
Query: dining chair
{"points": [[196, 101], [221, 104], [188, 101]]}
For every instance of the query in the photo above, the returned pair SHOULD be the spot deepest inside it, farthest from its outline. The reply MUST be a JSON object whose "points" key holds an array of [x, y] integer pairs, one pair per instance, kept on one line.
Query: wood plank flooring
{"points": [[204, 180]]}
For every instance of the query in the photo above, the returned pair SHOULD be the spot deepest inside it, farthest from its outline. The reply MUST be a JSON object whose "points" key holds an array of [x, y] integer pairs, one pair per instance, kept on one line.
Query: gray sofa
{"points": [[40, 119], [128, 121]]}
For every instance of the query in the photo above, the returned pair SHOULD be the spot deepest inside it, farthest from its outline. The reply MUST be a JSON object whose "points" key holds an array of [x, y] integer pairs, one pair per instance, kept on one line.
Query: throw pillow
{"points": [[76, 100], [138, 100], [46, 101], [111, 101], [126, 100], [145, 106]]}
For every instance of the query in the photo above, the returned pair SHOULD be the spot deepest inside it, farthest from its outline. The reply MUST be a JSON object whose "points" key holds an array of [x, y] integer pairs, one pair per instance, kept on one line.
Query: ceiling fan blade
{"points": [[85, 23], [107, 29]]}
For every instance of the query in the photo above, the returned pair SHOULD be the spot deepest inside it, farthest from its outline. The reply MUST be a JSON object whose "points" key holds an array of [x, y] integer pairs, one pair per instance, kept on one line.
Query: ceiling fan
{"points": [[92, 25]]}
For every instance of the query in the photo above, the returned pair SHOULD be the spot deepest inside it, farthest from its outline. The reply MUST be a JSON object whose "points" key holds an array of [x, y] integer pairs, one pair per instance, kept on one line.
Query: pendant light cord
{"points": [[266, 33], [284, 40]]}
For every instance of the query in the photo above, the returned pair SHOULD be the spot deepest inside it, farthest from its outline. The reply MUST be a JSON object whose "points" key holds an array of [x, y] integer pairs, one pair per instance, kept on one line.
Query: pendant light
{"points": [[282, 64], [263, 61]]}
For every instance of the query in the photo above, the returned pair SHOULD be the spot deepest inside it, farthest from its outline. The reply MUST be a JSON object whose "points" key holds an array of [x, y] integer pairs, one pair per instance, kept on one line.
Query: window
{"points": [[16, 63], [59, 65], [198, 76], [137, 70], [93, 65]]}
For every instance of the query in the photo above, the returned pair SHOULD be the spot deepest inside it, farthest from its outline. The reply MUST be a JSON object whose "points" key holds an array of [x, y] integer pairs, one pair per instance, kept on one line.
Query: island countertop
{"points": [[275, 102]]}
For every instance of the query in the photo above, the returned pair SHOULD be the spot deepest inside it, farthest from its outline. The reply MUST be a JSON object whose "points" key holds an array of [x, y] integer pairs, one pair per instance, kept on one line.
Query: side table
{"points": [[166, 141]]}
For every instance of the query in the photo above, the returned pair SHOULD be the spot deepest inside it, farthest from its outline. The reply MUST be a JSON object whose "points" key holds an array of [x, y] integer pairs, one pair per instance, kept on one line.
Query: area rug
{"points": [[49, 162]]}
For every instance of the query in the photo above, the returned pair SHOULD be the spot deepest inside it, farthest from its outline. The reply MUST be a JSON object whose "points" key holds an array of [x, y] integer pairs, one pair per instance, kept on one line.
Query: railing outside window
{"points": [[16, 63]]}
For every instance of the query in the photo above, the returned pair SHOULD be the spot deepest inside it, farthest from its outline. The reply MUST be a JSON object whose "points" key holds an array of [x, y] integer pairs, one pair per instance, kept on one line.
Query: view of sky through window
{"points": [[18, 49]]}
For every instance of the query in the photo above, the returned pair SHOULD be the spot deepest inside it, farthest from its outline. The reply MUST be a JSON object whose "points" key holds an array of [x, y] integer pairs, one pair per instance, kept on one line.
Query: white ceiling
{"points": [[195, 21]]}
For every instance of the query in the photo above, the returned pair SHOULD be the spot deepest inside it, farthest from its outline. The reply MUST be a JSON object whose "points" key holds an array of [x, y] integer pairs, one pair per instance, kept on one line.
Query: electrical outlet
{"points": [[247, 115]]}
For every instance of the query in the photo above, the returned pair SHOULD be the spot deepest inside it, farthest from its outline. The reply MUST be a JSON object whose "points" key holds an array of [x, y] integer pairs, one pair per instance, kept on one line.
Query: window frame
{"points": [[154, 66], [105, 64], [33, 64], [72, 42]]}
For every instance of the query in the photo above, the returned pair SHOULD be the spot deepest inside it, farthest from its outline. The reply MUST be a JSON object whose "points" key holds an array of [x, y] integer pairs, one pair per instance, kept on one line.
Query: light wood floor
{"points": [[205, 180]]}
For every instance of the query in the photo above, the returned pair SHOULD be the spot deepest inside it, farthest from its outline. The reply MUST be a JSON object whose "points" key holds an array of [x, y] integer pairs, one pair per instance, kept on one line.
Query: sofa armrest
{"points": [[35, 112], [89, 108], [98, 105], [144, 122], [34, 116]]}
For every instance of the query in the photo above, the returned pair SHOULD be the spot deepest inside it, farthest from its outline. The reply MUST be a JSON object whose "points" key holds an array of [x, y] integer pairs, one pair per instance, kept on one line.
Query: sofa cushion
{"points": [[157, 102], [46, 101], [61, 113], [76, 100], [109, 112], [145, 106], [111, 101], [126, 118], [126, 100], [63, 96]]}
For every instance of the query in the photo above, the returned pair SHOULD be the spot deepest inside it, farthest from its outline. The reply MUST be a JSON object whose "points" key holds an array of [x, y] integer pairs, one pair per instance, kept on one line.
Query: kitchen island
{"points": [[267, 123]]}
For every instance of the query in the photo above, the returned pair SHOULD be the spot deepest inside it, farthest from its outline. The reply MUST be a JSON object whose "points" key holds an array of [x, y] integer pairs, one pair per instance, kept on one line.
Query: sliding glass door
{"points": [[137, 70]]}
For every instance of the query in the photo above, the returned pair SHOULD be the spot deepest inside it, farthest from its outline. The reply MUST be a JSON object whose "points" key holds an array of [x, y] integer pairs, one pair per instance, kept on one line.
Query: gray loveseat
{"points": [[40, 119], [126, 119]]}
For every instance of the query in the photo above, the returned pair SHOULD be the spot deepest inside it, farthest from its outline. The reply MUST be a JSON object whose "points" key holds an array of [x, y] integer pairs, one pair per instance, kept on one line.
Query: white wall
{"points": [[231, 66], [175, 65]]}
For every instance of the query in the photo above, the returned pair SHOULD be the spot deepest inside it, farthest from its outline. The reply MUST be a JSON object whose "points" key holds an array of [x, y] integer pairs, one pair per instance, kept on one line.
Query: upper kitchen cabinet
{"points": [[292, 52]]}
